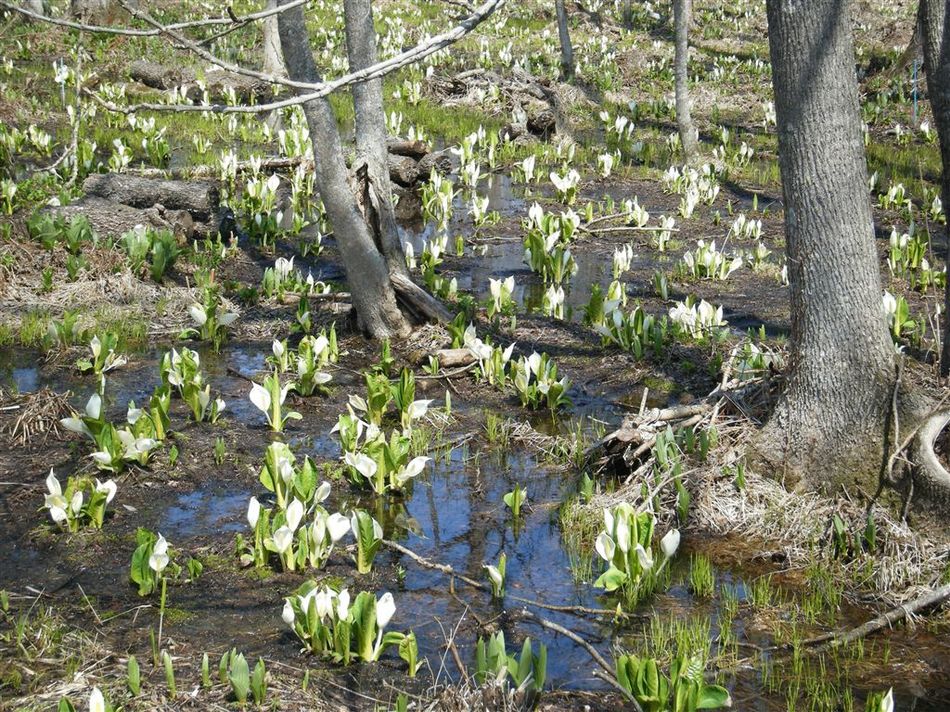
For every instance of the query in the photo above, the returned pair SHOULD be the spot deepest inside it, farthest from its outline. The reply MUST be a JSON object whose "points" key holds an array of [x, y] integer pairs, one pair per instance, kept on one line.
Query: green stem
{"points": [[161, 611]]}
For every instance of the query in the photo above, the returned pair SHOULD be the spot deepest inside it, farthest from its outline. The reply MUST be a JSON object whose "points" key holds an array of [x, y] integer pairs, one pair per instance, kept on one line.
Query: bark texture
{"points": [[684, 119], [371, 135], [273, 56], [567, 49], [933, 19], [830, 425], [367, 274]]}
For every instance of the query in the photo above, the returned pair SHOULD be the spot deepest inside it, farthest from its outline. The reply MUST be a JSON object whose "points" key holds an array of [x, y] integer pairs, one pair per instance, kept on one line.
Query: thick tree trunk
{"points": [[934, 18], [567, 49], [830, 425], [372, 294], [371, 131], [684, 119]]}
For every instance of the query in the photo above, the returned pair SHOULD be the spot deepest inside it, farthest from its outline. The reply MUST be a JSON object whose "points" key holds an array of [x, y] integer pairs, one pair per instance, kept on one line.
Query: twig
{"points": [[450, 644]]}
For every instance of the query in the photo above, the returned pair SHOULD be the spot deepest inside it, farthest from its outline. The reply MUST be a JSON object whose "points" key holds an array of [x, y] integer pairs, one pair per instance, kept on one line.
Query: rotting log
{"points": [[403, 170], [199, 198], [444, 162]]}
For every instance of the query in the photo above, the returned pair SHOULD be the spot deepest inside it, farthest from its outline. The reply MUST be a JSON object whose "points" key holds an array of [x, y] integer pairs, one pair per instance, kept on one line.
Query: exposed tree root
{"points": [[929, 477]]}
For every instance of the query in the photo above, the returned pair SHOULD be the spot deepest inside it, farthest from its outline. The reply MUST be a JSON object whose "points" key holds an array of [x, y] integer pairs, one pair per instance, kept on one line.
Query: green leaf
{"points": [[481, 662], [526, 663], [541, 667], [612, 579], [239, 677], [259, 681], [713, 697]]}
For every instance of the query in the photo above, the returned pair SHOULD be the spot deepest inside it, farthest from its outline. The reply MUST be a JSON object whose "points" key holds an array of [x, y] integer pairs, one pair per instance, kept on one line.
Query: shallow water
{"points": [[453, 515]]}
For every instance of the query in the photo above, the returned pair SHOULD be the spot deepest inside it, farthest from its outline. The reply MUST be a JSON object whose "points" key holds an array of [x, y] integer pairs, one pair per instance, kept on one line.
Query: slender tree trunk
{"points": [[628, 14], [567, 49], [273, 59], [371, 131], [831, 422], [684, 120], [934, 18], [372, 294], [273, 56]]}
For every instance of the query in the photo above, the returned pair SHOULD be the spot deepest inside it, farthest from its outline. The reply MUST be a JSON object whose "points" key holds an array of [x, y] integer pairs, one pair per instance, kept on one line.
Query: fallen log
{"points": [[450, 358], [219, 84], [403, 170], [412, 149], [111, 219], [444, 162], [199, 198], [418, 301], [160, 76]]}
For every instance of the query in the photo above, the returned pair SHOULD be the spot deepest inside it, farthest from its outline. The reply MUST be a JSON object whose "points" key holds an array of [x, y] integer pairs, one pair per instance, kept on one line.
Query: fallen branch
{"points": [[885, 620], [591, 650], [449, 571]]}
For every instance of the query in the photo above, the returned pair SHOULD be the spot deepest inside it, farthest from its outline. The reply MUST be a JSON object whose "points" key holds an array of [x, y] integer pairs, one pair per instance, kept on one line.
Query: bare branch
{"points": [[200, 51], [322, 89], [131, 32]]}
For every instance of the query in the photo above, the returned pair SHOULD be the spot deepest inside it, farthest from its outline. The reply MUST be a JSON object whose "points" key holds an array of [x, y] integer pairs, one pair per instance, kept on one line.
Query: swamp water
{"points": [[453, 515]]}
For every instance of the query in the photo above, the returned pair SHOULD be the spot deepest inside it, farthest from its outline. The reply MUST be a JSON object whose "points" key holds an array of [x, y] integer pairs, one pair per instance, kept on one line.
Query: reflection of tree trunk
{"points": [[371, 130], [934, 18], [684, 121], [368, 277], [567, 49], [831, 421]]}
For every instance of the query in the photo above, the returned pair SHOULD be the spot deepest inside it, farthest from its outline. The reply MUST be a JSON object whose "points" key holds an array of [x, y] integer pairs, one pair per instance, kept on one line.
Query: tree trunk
{"points": [[684, 120], [371, 135], [35, 6], [934, 17], [628, 14], [273, 57], [831, 422], [372, 294], [567, 49]]}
